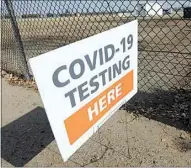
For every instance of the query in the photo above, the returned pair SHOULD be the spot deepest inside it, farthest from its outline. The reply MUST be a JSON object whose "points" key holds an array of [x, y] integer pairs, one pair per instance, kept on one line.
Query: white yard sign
{"points": [[84, 83]]}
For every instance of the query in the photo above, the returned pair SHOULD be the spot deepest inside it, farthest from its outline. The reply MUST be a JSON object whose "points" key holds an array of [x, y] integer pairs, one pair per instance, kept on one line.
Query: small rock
{"points": [[182, 136], [3, 72], [163, 140], [151, 109], [183, 115], [11, 75]]}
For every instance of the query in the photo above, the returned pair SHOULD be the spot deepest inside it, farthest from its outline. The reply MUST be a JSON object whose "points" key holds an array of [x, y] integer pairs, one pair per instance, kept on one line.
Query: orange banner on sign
{"points": [[78, 123]]}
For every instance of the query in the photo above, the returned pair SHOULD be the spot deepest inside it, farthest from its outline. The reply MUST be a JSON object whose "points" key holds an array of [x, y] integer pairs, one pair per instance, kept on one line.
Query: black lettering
{"points": [[70, 94], [82, 89], [55, 77], [94, 84]]}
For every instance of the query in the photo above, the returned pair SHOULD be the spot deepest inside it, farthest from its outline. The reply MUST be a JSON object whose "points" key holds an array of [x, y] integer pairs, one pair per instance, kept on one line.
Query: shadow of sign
{"points": [[25, 137]]}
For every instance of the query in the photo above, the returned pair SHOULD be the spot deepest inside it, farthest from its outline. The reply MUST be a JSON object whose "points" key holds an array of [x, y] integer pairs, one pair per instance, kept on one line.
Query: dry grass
{"points": [[164, 43], [67, 28]]}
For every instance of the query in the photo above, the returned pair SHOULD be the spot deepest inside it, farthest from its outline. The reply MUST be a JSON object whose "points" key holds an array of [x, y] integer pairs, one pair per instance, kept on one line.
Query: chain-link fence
{"points": [[30, 28]]}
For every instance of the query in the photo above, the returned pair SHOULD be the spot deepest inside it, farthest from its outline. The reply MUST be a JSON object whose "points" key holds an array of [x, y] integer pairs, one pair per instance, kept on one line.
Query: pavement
{"points": [[125, 139]]}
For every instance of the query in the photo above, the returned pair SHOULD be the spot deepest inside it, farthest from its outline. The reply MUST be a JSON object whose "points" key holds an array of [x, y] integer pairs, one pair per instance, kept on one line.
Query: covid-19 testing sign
{"points": [[84, 83]]}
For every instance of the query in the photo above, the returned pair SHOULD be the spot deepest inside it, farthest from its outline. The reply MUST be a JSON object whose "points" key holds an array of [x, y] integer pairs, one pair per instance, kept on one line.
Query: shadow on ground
{"points": [[169, 107], [25, 137]]}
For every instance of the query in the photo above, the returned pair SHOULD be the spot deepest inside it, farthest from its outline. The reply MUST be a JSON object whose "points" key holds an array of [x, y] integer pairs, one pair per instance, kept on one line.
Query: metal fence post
{"points": [[189, 117], [17, 36]]}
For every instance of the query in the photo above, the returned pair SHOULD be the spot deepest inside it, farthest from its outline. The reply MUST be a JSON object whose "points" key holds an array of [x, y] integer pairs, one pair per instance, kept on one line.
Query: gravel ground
{"points": [[128, 138]]}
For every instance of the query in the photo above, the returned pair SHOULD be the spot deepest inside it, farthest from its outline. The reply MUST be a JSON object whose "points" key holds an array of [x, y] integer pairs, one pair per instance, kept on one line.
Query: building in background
{"points": [[141, 11], [167, 11], [153, 9], [149, 9], [187, 12]]}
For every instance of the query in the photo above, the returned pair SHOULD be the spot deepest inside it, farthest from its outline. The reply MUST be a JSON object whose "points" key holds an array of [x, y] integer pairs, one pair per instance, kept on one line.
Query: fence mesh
{"points": [[164, 42]]}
